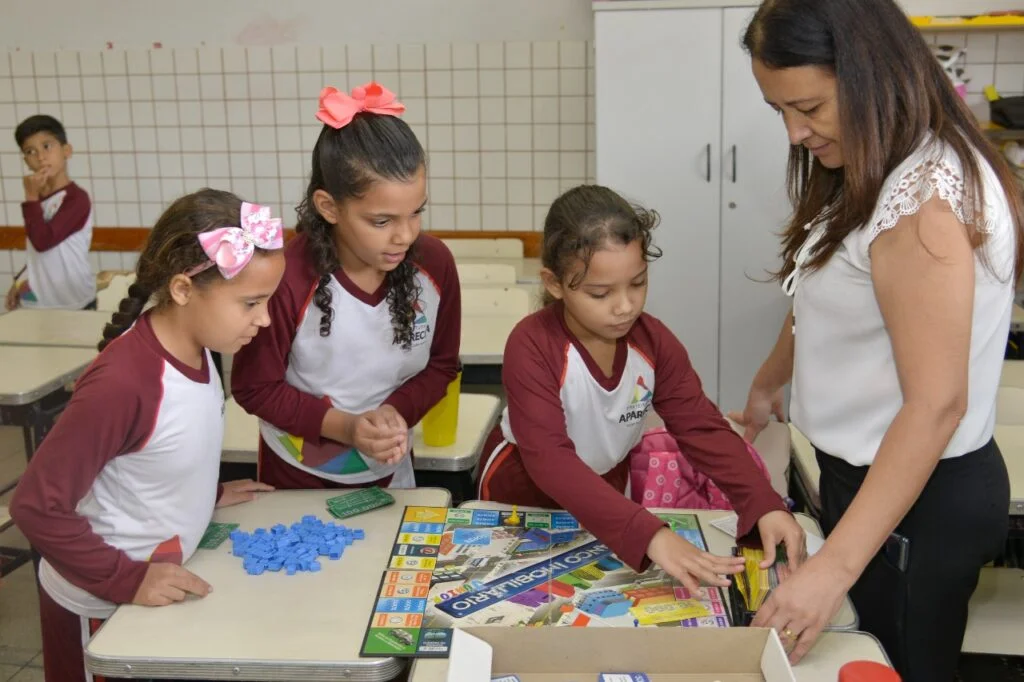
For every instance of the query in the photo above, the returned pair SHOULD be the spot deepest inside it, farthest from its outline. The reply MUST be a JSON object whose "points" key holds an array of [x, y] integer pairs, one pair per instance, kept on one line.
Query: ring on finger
{"points": [[789, 634]]}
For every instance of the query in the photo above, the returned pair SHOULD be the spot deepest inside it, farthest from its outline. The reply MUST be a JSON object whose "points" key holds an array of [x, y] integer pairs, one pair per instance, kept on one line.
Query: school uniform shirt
{"points": [[127, 476], [846, 391], [290, 375], [59, 232], [570, 424]]}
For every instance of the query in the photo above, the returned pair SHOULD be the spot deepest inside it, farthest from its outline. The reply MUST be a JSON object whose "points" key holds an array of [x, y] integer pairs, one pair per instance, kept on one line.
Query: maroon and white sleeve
{"points": [[70, 218], [112, 412], [416, 396], [701, 431], [532, 371], [258, 382]]}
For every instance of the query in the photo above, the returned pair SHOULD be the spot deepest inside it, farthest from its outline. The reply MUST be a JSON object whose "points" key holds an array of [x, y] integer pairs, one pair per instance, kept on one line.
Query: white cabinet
{"points": [[682, 128]]}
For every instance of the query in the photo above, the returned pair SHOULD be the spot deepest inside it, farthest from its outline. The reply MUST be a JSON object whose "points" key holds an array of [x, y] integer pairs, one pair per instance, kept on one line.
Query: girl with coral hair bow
{"points": [[364, 337]]}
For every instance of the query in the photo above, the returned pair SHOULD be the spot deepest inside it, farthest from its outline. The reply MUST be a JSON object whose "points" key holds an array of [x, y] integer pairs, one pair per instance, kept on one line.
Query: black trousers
{"points": [[958, 524]]}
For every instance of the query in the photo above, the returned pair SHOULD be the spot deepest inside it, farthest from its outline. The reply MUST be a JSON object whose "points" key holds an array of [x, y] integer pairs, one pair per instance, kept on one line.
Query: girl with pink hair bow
{"points": [[365, 328], [121, 491]]}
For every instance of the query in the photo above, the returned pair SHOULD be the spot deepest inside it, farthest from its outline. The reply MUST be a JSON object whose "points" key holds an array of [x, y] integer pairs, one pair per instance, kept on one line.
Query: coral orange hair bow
{"points": [[337, 108]]}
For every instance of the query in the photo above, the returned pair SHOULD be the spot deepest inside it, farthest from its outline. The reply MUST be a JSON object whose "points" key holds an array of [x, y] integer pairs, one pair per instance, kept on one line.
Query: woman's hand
{"points": [[689, 565], [799, 608], [761, 406]]}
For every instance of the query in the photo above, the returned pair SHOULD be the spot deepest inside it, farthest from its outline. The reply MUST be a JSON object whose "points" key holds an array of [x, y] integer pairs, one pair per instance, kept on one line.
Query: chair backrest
{"points": [[486, 273], [485, 248], [109, 299], [495, 301]]}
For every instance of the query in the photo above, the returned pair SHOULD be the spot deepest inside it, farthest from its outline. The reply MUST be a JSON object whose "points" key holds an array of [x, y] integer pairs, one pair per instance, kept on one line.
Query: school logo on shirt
{"points": [[421, 324], [638, 406]]}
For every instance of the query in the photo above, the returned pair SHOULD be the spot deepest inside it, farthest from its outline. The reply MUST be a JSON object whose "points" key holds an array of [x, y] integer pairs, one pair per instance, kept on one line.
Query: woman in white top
{"points": [[902, 256]]}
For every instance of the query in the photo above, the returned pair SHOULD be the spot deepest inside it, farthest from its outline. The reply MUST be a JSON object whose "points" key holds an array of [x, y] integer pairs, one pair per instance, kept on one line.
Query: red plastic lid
{"points": [[867, 671]]}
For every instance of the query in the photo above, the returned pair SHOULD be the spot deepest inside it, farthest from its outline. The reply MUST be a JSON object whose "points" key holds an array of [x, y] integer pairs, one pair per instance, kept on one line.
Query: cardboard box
{"points": [[550, 654]]}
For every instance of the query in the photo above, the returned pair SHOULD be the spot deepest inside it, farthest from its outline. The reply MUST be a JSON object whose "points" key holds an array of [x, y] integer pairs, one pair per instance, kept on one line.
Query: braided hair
{"points": [[172, 248], [346, 162]]}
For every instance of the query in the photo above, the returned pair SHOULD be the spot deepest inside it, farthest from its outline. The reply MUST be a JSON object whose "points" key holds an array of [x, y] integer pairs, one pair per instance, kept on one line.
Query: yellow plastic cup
{"points": [[441, 423]]}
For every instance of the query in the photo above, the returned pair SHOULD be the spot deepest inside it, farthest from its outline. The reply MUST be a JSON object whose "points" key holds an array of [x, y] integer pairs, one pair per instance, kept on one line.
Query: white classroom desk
{"points": [[241, 435], [720, 543], [34, 327], [995, 625], [1013, 374], [831, 652], [483, 338], [32, 381], [836, 647], [478, 413], [527, 269], [272, 627]]}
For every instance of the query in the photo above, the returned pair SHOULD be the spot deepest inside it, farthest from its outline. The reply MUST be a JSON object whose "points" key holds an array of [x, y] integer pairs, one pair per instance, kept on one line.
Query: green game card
{"points": [[216, 534], [358, 502], [391, 641]]}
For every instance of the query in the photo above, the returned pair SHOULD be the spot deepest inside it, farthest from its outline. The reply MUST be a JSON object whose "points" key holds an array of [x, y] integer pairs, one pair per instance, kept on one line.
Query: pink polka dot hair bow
{"points": [[231, 248], [337, 109]]}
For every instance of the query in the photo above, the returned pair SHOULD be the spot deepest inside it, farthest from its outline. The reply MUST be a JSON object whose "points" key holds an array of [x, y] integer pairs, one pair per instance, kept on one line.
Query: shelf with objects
{"points": [[995, 21]]}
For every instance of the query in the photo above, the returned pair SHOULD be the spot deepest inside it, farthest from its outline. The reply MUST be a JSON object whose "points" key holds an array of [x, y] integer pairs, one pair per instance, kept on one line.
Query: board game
{"points": [[453, 568]]}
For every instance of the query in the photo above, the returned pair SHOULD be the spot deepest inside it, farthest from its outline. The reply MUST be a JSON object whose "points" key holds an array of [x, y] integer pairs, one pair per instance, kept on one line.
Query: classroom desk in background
{"points": [[308, 626], [241, 435], [33, 381], [69, 328], [527, 269], [482, 347], [452, 466]]}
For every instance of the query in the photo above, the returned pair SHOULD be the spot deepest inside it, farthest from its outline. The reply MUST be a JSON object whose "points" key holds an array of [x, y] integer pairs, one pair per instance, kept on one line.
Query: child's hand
{"points": [[34, 185], [761, 407], [689, 565], [779, 527], [13, 300], [237, 492], [382, 434], [167, 583]]}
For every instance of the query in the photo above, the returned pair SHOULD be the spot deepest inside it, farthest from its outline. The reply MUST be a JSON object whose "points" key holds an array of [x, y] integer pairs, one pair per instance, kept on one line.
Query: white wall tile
{"points": [[283, 59], [521, 218], [210, 60], [21, 64], [24, 90], [439, 56], [518, 55], [412, 57], [385, 57]]}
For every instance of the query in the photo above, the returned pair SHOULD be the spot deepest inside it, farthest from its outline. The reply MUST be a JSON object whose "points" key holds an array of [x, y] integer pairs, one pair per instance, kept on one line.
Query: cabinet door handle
{"points": [[734, 164], [709, 163]]}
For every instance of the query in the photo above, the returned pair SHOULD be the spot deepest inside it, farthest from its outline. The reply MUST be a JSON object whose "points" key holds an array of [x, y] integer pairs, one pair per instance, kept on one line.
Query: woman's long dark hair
{"points": [[891, 94], [346, 162]]}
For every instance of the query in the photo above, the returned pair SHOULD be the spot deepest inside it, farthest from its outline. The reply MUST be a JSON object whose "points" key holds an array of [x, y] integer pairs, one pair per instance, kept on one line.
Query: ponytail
{"points": [[128, 312]]}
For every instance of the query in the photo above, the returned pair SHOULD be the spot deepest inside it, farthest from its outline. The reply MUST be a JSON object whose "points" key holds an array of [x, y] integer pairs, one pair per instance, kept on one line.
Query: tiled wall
{"points": [[507, 126], [992, 58]]}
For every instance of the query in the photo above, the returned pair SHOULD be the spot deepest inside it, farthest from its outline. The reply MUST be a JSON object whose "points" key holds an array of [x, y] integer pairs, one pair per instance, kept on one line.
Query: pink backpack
{"points": [[660, 476]]}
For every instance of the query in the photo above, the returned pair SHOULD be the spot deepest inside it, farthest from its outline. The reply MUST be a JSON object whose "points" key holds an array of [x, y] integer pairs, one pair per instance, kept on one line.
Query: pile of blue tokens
{"points": [[292, 549]]}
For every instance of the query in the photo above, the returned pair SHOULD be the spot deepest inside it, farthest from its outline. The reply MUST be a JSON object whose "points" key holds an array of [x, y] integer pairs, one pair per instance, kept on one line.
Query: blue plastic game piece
{"points": [[293, 548]]}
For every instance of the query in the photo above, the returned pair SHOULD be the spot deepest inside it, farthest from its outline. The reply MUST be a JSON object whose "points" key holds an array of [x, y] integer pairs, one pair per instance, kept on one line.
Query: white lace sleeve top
{"points": [[845, 390]]}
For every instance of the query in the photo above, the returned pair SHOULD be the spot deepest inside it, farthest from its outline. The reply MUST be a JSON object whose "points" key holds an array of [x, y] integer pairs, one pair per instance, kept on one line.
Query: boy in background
{"points": [[58, 224]]}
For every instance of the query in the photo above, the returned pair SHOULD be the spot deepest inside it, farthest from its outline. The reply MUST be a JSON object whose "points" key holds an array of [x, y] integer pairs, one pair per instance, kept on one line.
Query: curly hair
{"points": [[583, 220], [171, 249], [346, 162]]}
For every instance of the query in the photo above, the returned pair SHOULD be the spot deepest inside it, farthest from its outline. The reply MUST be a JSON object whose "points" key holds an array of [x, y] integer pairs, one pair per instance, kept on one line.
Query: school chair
{"points": [[485, 248], [508, 301], [109, 299], [486, 273]]}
